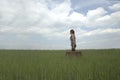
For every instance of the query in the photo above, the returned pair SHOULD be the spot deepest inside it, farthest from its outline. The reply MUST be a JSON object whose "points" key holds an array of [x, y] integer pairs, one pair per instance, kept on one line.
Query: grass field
{"points": [[54, 65]]}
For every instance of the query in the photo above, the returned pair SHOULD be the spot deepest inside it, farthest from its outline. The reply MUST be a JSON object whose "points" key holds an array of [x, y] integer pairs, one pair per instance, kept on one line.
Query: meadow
{"points": [[54, 65]]}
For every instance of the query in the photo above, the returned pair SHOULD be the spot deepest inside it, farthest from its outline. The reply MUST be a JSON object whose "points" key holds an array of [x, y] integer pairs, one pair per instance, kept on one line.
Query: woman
{"points": [[73, 39]]}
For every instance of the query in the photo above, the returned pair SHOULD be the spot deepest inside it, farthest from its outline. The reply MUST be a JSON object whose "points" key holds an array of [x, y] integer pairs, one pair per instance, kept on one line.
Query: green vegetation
{"points": [[54, 65]]}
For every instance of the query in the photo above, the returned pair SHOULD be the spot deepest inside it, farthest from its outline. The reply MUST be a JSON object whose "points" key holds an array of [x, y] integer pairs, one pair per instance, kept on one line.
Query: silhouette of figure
{"points": [[73, 39]]}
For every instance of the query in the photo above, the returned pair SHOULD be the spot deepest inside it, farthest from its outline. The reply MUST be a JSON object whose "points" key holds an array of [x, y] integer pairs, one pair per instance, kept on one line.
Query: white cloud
{"points": [[63, 9], [93, 15], [96, 13], [100, 19], [102, 32], [115, 6], [7, 12], [111, 20], [77, 17], [99, 38], [38, 18]]}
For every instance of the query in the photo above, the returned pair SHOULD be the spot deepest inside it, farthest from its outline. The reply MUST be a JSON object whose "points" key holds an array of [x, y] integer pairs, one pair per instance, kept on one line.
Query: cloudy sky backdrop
{"points": [[45, 24]]}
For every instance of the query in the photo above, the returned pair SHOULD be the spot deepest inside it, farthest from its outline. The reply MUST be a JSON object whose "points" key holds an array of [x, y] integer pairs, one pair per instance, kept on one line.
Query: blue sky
{"points": [[45, 24]]}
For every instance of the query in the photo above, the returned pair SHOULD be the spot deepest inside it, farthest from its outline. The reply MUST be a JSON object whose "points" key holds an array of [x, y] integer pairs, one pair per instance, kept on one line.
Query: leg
{"points": [[73, 45]]}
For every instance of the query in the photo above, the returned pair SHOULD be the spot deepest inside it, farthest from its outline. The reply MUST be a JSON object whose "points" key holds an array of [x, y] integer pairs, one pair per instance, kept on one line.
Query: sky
{"points": [[46, 24]]}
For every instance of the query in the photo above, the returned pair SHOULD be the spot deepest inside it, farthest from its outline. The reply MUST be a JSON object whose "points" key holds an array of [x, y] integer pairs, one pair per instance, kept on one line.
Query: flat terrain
{"points": [[54, 65]]}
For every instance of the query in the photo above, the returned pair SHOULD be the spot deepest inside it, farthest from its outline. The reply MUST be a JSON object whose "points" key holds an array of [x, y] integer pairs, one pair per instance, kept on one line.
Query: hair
{"points": [[72, 31]]}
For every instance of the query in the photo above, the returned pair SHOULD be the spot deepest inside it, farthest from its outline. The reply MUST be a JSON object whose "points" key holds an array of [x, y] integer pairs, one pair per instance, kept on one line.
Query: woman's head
{"points": [[72, 31]]}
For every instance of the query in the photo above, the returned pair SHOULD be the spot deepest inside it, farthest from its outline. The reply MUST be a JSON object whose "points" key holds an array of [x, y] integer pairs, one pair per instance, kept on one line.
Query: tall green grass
{"points": [[54, 65]]}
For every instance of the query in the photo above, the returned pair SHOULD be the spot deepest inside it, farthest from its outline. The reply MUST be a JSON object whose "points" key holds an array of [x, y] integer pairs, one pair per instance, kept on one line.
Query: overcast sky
{"points": [[45, 24]]}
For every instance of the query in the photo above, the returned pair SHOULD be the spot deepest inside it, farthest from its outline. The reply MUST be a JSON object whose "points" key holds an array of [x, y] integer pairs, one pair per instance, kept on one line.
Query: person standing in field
{"points": [[73, 39]]}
